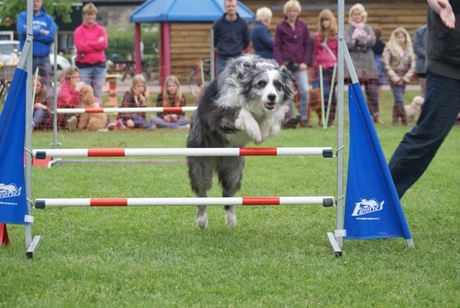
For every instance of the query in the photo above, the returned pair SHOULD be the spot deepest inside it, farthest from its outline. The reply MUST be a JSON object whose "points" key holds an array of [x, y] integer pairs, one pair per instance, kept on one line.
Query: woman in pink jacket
{"points": [[91, 41], [325, 47]]}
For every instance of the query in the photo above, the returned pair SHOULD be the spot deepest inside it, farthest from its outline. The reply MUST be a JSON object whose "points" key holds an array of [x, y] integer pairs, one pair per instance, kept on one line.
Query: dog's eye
{"points": [[277, 85], [261, 84]]}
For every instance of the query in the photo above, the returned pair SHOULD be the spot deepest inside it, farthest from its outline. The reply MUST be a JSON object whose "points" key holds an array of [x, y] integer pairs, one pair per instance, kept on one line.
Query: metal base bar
{"points": [[334, 244], [33, 245]]}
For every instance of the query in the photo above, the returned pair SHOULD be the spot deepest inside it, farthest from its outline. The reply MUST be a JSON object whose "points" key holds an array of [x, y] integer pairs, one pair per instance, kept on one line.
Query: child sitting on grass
{"points": [[171, 97], [135, 97]]}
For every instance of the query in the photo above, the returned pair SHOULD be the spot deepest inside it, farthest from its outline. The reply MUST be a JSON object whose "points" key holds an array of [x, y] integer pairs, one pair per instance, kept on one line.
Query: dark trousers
{"points": [[419, 146]]}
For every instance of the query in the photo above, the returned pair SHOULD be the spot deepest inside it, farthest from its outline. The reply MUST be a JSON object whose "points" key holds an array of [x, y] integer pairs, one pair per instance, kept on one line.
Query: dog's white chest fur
{"points": [[256, 130]]}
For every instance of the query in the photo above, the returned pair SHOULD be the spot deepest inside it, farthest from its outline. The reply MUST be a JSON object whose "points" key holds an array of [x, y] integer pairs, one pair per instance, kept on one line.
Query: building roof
{"points": [[185, 11]]}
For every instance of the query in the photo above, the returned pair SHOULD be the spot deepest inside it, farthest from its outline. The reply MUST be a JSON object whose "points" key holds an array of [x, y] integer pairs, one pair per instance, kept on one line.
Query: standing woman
{"points": [[325, 55], [292, 51], [91, 41], [360, 39], [399, 64], [262, 41]]}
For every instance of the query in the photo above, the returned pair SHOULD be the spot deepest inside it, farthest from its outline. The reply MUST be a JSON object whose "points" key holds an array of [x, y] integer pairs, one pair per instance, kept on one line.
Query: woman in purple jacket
{"points": [[292, 51]]}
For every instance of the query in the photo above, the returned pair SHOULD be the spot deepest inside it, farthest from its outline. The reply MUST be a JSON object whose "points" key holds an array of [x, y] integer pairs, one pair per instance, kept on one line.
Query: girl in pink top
{"points": [[91, 41], [69, 96], [325, 55]]}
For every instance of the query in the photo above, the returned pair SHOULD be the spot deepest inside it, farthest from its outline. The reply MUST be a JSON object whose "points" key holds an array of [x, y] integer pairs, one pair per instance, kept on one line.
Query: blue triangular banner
{"points": [[13, 201], [372, 206]]}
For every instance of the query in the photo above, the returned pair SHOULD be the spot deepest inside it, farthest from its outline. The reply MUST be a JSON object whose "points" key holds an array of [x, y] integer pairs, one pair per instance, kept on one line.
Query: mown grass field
{"points": [[275, 257]]}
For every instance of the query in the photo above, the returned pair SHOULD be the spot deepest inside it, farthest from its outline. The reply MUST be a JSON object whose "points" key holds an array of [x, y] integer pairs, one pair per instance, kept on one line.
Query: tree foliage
{"points": [[10, 9]]}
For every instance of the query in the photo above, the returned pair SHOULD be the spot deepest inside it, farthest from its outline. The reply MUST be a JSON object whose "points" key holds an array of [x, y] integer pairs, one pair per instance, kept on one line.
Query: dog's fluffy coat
{"points": [[90, 121], [414, 108], [244, 103]]}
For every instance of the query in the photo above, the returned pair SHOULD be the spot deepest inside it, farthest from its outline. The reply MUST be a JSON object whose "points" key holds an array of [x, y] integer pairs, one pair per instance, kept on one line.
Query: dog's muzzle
{"points": [[271, 104]]}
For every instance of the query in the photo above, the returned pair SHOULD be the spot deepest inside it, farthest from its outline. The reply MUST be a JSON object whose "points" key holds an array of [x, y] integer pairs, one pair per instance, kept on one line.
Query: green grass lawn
{"points": [[275, 257]]}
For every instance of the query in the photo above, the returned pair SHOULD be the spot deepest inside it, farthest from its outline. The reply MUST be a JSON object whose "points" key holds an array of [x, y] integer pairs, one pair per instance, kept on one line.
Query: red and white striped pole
{"points": [[326, 201], [128, 110], [125, 152]]}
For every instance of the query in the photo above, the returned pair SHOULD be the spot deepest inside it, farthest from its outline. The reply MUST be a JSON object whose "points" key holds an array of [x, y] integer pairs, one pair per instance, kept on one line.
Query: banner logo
{"points": [[367, 206], [9, 190]]}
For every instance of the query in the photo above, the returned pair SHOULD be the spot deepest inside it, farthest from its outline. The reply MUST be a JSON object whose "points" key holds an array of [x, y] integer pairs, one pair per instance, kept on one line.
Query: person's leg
{"points": [[372, 96], [184, 120], [220, 65], [98, 81], [44, 69], [418, 147], [302, 82], [86, 75], [38, 117], [422, 82], [160, 123], [396, 91]]}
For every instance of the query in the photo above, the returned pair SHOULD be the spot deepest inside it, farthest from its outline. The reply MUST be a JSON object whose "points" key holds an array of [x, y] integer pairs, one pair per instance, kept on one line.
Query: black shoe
{"points": [[291, 123]]}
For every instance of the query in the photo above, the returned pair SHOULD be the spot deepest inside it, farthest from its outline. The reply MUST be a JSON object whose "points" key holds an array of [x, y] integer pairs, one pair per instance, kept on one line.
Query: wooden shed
{"points": [[184, 30]]}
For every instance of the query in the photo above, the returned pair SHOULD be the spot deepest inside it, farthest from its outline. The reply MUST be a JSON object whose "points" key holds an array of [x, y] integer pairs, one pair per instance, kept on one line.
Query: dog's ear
{"points": [[245, 68], [288, 83]]}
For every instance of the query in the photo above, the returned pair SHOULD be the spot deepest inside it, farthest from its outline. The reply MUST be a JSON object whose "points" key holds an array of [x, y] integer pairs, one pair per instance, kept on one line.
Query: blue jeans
{"points": [[44, 68], [39, 116], [160, 123], [94, 77], [419, 146], [301, 78], [140, 122], [398, 91]]}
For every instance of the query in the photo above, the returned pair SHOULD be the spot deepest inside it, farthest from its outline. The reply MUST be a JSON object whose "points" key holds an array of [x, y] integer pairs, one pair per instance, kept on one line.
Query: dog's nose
{"points": [[271, 97]]}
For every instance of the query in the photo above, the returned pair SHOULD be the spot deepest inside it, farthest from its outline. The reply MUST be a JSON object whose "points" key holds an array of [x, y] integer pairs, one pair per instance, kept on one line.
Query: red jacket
{"points": [[89, 49], [68, 97]]}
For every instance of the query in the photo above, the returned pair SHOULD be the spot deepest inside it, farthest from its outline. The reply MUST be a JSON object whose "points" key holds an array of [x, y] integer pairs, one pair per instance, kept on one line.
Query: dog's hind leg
{"points": [[200, 174], [230, 171]]}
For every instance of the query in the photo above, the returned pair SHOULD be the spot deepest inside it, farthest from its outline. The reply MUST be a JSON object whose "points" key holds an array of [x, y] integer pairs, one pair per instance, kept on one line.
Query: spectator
{"points": [[325, 46], [69, 97], [135, 97], [419, 49], [292, 51], [171, 97], [377, 49], [41, 114], [442, 97], [91, 41], [231, 35], [399, 65], [360, 38], [262, 41], [43, 30]]}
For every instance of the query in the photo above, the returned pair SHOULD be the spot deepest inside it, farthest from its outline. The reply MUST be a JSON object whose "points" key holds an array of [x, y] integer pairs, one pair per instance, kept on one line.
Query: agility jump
{"points": [[326, 152], [124, 110], [326, 201]]}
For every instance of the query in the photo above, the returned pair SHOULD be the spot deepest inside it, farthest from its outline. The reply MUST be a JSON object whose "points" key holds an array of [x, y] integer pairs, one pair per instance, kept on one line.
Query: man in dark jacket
{"points": [[231, 35], [442, 96]]}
